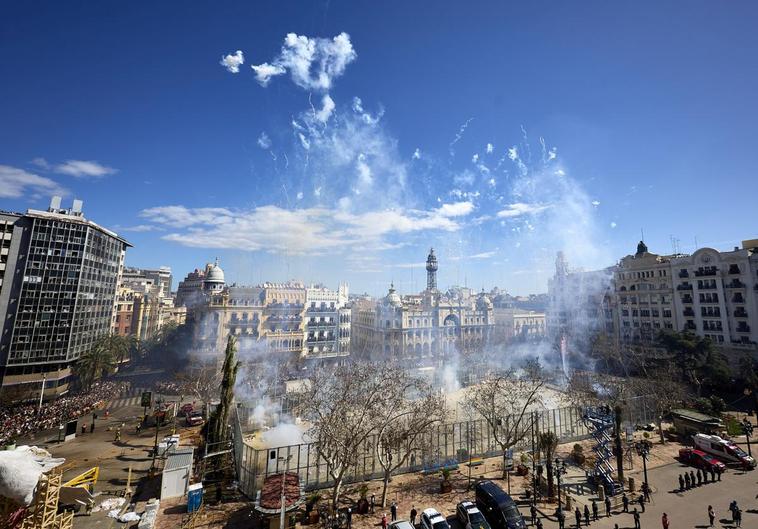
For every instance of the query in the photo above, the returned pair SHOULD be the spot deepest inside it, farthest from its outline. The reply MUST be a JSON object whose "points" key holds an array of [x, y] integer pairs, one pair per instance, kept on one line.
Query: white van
{"points": [[724, 450]]}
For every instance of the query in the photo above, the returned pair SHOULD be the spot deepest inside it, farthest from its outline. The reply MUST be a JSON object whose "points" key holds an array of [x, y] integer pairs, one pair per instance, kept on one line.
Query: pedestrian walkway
{"points": [[132, 397]]}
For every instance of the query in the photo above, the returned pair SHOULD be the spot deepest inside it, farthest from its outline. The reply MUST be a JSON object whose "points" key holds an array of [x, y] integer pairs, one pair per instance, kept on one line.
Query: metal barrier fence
{"points": [[444, 445]]}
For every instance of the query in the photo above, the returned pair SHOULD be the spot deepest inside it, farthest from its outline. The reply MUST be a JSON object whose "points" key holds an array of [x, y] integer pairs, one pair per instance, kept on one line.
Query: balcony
{"points": [[734, 269], [684, 287], [689, 312], [743, 328], [690, 326], [684, 273], [737, 298], [735, 283], [686, 299], [706, 272], [740, 313]]}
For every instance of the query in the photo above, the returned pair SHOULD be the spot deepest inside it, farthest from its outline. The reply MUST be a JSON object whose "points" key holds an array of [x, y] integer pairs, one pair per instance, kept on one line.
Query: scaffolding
{"points": [[43, 512], [600, 422]]}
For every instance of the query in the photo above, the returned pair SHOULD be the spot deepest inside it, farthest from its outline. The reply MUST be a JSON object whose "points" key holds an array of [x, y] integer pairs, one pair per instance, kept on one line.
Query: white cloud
{"points": [[264, 72], [300, 195], [613, 224], [264, 142], [326, 109], [41, 163], [490, 148], [513, 153], [364, 172], [232, 62], [596, 203], [366, 117], [313, 63], [139, 228], [416, 154], [298, 231], [475, 158], [84, 169], [456, 209], [16, 183], [518, 209], [492, 182]]}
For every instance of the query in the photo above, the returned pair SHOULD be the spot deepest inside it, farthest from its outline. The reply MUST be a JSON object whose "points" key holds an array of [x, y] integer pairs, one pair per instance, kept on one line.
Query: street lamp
{"points": [[560, 468], [643, 450]]}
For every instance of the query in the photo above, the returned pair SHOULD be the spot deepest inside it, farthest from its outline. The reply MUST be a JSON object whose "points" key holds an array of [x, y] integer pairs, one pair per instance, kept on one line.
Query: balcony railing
{"points": [[684, 273], [689, 312], [705, 273], [738, 299], [686, 299], [740, 313], [690, 326], [743, 328], [734, 269], [735, 283], [684, 287]]}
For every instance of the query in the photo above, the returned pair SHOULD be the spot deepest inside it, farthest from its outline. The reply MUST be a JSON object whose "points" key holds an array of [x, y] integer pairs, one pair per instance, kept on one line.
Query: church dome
{"points": [[214, 274], [392, 298], [483, 302]]}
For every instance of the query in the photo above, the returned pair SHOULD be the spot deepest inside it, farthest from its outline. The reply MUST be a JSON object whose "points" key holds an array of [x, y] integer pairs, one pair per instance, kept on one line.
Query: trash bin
{"points": [[194, 497]]}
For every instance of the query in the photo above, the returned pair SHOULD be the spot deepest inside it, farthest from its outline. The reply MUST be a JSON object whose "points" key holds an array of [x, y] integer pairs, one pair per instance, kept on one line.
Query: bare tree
{"points": [[409, 408], [342, 404], [203, 384], [504, 401], [663, 393]]}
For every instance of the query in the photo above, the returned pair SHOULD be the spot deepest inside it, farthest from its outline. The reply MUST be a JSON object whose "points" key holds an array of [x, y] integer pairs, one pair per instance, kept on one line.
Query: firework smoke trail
{"points": [[458, 136]]}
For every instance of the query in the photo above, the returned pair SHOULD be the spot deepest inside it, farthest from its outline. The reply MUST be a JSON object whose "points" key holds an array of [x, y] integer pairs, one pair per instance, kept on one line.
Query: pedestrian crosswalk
{"points": [[133, 397]]}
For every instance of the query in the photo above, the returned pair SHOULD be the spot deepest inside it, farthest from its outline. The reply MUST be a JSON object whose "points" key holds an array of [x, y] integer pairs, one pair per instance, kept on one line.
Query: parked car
{"points": [[401, 524], [725, 450], [700, 459], [432, 519], [470, 516], [185, 410], [194, 418], [498, 507]]}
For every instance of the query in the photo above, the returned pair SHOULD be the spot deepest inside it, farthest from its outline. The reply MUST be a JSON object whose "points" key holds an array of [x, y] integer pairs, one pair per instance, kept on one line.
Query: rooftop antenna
{"points": [[695, 242], [642, 235]]}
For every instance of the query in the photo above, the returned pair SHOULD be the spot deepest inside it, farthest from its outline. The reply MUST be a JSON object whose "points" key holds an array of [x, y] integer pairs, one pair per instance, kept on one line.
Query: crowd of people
{"points": [[24, 419]]}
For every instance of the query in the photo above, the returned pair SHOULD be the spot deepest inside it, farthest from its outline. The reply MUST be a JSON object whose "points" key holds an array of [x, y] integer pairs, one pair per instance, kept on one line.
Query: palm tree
{"points": [[547, 443], [96, 362]]}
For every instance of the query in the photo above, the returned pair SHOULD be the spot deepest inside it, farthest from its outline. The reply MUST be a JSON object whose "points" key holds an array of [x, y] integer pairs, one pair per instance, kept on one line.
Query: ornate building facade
{"points": [[422, 329]]}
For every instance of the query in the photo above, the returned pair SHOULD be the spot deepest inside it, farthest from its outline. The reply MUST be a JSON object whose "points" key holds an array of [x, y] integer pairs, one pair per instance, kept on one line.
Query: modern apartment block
{"points": [[57, 294]]}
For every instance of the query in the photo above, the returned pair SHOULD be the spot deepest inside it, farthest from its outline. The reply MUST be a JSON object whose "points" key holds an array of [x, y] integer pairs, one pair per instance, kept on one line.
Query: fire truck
{"points": [[724, 450]]}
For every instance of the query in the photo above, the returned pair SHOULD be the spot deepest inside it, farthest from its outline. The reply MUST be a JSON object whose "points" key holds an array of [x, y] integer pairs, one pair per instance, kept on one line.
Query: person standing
{"points": [[625, 501], [641, 501], [533, 513], [539, 524], [594, 511], [705, 476], [692, 478], [578, 516], [349, 516], [732, 508], [699, 477], [711, 515], [607, 506], [646, 492], [586, 515], [393, 511], [718, 473], [665, 521], [561, 519], [372, 503], [414, 513], [687, 480], [713, 474], [636, 516], [738, 517], [681, 483], [384, 520]]}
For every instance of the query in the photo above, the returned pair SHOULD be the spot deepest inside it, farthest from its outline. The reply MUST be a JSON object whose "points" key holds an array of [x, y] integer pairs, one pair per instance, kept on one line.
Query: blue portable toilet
{"points": [[194, 497]]}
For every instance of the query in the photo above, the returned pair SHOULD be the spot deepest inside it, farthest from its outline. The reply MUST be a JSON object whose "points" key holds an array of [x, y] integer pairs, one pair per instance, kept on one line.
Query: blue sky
{"points": [[603, 119]]}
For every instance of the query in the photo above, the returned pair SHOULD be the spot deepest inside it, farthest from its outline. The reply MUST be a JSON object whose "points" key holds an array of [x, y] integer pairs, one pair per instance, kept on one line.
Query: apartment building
{"points": [[57, 295]]}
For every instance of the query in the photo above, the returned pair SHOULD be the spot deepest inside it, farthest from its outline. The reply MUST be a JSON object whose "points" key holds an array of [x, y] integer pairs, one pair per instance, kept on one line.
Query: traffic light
{"points": [[747, 428]]}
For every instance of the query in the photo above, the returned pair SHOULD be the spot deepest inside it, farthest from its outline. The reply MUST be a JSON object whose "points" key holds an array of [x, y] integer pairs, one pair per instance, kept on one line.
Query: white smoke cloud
{"points": [[232, 62], [326, 109], [416, 154], [313, 63], [518, 209], [490, 148], [264, 142]]}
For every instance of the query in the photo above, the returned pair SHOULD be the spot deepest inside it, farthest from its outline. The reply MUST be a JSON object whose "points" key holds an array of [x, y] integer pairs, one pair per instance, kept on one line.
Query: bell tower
{"points": [[431, 271]]}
